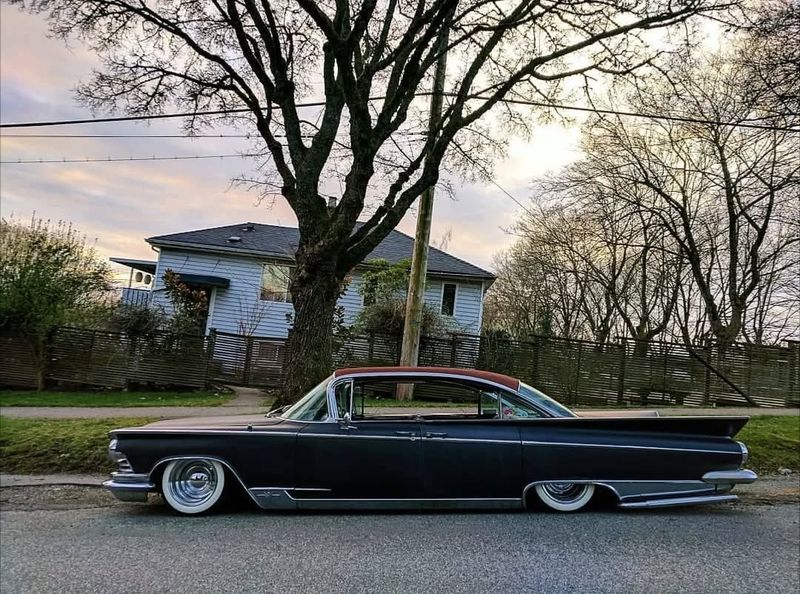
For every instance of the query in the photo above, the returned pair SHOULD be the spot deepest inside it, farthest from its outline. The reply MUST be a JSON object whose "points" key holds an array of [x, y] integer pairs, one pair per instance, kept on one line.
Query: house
{"points": [[245, 268]]}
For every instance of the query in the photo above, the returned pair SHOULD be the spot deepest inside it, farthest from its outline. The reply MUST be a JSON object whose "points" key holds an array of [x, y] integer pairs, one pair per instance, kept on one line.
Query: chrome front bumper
{"points": [[127, 486]]}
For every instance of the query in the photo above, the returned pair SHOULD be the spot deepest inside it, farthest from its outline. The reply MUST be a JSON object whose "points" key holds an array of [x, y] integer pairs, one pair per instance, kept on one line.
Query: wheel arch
{"points": [[529, 492], [161, 464]]}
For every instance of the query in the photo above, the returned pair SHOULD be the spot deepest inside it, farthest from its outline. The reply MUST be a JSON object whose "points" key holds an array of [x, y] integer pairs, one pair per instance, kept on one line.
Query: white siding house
{"points": [[229, 262]]}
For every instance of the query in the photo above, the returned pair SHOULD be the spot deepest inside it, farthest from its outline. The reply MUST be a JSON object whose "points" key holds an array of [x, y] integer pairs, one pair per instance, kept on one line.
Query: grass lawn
{"points": [[116, 398], [774, 442], [45, 446]]}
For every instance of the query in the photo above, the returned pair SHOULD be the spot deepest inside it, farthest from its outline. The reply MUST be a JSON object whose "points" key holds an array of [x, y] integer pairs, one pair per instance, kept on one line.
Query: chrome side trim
{"points": [[736, 477], [225, 463], [656, 503], [281, 498], [470, 440], [352, 436], [243, 431], [386, 504], [272, 498], [625, 490], [416, 437], [621, 446]]}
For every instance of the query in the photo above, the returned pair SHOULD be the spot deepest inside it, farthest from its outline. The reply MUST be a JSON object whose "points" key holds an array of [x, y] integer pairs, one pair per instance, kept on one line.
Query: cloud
{"points": [[122, 203]]}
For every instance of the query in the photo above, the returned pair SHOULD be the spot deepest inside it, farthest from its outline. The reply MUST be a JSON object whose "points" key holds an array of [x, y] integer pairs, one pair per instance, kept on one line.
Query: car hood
{"points": [[221, 422]]}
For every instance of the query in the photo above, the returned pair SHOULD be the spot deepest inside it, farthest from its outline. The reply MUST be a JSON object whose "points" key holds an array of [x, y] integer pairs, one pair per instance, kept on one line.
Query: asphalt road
{"points": [[119, 548]]}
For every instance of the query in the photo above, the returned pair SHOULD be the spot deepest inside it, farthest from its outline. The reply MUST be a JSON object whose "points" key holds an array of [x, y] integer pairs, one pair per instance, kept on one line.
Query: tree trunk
{"points": [[315, 289]]}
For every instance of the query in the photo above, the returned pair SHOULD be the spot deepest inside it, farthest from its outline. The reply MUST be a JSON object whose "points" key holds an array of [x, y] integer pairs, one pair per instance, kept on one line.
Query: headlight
{"points": [[118, 458]]}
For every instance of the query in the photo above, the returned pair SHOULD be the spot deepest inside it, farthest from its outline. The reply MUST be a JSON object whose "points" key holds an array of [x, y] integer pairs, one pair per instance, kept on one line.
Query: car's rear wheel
{"points": [[193, 486], [565, 497]]}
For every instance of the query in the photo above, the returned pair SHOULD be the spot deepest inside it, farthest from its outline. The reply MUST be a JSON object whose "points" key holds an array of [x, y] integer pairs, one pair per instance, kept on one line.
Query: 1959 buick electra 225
{"points": [[498, 444]]}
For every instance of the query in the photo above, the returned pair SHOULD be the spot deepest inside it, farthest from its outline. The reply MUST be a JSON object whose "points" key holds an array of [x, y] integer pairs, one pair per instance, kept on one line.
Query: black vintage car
{"points": [[492, 442]]}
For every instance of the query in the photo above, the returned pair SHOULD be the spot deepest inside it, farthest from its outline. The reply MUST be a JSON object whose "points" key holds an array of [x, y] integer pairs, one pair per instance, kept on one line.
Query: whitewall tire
{"points": [[565, 497], [193, 486]]}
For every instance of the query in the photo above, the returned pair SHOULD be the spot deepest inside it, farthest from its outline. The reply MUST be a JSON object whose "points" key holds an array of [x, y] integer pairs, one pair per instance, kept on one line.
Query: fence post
{"points": [[578, 372], [248, 354], [793, 397], [210, 342], [535, 361], [371, 351], [90, 359], [664, 373], [707, 376], [623, 359]]}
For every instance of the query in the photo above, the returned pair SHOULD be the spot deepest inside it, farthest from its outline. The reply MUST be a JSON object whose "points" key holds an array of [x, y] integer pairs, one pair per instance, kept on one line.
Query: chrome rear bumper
{"points": [[730, 477], [129, 486]]}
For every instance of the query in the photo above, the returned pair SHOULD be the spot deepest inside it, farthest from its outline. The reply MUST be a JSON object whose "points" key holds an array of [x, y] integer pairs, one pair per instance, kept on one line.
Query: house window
{"points": [[448, 299], [275, 283]]}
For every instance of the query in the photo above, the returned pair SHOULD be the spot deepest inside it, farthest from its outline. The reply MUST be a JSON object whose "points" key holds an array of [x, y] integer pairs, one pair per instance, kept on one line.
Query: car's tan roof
{"points": [[497, 378]]}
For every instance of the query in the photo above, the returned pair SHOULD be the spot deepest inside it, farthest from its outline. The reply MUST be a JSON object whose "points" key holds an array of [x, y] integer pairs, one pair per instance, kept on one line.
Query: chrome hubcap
{"points": [[192, 482], [565, 492]]}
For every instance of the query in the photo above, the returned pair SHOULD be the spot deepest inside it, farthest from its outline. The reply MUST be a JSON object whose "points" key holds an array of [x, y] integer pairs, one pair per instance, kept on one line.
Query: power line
{"points": [[651, 116], [182, 136], [253, 136], [117, 159]]}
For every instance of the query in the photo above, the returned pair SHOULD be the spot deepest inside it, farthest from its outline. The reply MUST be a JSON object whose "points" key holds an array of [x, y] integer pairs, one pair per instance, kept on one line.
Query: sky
{"points": [[119, 204]]}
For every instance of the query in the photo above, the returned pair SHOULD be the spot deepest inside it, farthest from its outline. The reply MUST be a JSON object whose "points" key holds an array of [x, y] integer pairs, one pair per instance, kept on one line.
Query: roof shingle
{"points": [[281, 242]]}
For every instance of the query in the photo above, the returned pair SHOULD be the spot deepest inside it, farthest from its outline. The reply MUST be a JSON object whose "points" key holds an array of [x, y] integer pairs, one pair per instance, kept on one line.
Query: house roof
{"points": [[148, 266], [281, 242]]}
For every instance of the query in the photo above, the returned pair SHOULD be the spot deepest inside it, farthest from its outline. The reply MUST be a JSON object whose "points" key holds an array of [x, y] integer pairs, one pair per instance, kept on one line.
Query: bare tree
{"points": [[725, 195], [251, 315], [618, 250], [769, 50], [372, 59]]}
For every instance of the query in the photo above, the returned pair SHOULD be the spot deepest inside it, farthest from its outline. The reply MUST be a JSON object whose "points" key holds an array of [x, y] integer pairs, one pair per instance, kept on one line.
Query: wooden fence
{"points": [[572, 371], [107, 359]]}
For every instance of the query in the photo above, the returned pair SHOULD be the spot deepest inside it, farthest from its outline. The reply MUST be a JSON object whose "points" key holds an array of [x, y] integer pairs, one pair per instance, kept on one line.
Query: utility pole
{"points": [[412, 328]]}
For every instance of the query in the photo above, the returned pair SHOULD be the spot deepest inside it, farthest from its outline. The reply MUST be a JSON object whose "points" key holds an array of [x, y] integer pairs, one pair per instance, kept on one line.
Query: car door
{"points": [[474, 459], [366, 457]]}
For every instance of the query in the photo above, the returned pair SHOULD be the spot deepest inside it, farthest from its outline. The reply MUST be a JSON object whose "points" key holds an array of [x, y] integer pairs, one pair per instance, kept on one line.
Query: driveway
{"points": [[69, 543]]}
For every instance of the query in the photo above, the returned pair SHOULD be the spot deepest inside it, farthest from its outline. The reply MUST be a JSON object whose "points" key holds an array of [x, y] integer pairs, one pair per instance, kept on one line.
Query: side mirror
{"points": [[346, 419]]}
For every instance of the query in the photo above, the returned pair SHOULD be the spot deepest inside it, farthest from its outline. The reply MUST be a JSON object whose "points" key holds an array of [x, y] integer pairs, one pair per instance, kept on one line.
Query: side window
{"points": [[487, 405], [372, 398], [343, 394], [448, 299], [516, 408], [275, 283]]}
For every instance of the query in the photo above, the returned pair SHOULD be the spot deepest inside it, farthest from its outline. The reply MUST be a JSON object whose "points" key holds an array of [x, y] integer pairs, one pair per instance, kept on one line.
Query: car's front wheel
{"points": [[565, 497], [193, 486]]}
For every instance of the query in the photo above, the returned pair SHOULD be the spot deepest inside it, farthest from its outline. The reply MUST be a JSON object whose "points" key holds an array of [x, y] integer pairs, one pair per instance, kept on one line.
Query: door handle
{"points": [[429, 434], [406, 433]]}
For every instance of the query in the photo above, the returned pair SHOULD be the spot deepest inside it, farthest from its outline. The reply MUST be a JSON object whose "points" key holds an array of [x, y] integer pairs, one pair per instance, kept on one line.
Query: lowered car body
{"points": [[496, 443]]}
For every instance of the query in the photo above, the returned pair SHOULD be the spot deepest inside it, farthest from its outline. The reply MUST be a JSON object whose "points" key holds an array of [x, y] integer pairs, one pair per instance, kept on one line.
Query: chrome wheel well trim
{"points": [[576, 482], [228, 466]]}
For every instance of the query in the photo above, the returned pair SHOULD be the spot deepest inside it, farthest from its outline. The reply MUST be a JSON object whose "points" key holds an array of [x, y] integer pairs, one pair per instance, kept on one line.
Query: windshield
{"points": [[545, 402], [311, 407]]}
